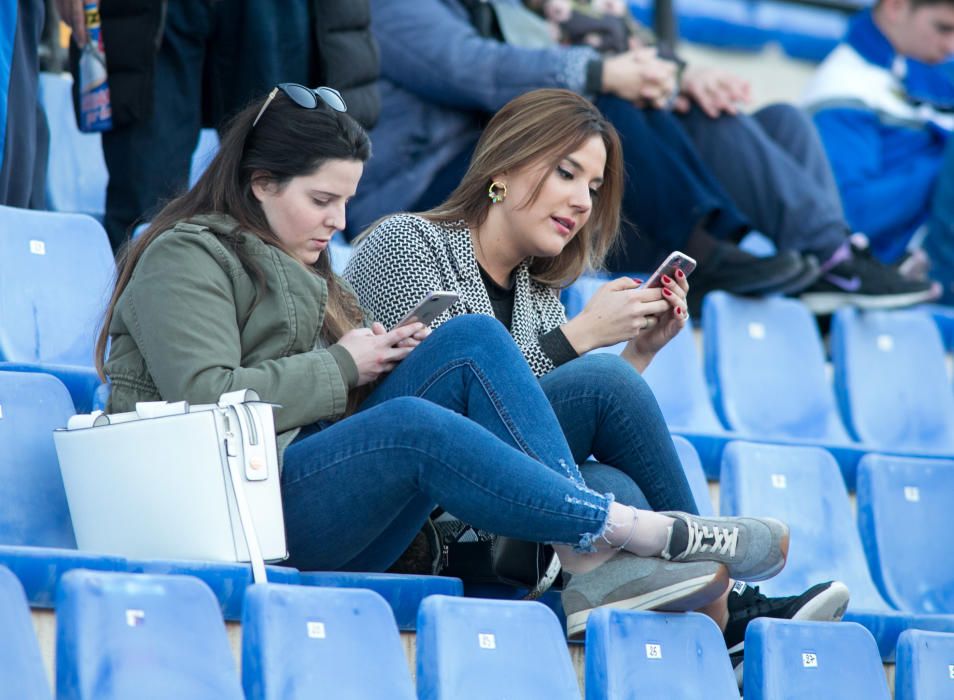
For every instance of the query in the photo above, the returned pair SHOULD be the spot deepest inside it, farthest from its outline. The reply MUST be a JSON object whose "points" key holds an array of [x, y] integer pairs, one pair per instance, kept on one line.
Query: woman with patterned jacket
{"points": [[554, 170]]}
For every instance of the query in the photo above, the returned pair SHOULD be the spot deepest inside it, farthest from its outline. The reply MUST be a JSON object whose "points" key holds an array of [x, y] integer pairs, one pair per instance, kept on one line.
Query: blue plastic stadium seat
{"points": [[76, 174], [300, 642], [891, 381], [788, 659], [801, 486], [475, 649], [694, 474], [677, 380], [142, 636], [22, 674], [227, 581], [943, 316], [340, 253], [766, 369], [924, 668], [900, 499], [56, 274], [631, 655], [205, 150], [404, 593]]}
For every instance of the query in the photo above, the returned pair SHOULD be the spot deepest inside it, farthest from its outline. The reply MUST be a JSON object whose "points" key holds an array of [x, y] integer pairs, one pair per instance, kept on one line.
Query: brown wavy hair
{"points": [[287, 142], [544, 126]]}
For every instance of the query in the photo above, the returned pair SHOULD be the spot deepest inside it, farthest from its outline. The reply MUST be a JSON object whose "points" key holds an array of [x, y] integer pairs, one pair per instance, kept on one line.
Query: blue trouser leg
{"points": [[669, 191], [939, 242], [214, 58], [606, 409], [774, 167], [455, 424], [24, 137]]}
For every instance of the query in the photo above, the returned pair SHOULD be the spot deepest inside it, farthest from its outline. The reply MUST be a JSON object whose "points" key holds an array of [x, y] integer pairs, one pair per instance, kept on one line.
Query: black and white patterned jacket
{"points": [[406, 257]]}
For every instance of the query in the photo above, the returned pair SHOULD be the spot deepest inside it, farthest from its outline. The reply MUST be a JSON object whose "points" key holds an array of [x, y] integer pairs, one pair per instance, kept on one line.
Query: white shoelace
{"points": [[723, 539]]}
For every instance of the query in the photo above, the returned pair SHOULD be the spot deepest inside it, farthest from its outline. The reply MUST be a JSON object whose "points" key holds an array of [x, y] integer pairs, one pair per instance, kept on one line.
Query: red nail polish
{"points": [[637, 280], [666, 280], [680, 274], [667, 293], [678, 312]]}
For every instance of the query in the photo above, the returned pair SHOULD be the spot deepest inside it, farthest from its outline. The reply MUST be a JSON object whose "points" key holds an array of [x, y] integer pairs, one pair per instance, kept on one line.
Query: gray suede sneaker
{"points": [[753, 549], [629, 582]]}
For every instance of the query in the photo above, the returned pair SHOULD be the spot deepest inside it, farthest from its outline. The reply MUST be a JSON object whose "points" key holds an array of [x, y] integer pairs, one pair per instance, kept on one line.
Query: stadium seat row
{"points": [[143, 636]]}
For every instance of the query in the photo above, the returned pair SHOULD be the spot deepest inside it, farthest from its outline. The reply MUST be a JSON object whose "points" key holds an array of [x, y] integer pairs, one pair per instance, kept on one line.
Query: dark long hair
{"points": [[287, 142]]}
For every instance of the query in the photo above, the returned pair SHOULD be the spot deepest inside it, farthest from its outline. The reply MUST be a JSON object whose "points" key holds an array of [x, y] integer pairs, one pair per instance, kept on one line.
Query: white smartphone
{"points": [[676, 260], [430, 307]]}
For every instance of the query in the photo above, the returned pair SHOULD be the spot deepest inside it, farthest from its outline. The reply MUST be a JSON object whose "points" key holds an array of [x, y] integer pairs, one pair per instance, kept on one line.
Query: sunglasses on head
{"points": [[306, 97]]}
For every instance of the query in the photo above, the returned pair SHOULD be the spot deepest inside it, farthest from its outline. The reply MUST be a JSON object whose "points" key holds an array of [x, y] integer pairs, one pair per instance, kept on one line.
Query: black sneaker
{"points": [[823, 602], [733, 270], [853, 276]]}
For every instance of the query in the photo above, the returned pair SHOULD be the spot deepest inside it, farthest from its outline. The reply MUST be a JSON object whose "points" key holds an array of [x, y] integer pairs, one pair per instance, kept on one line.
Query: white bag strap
{"points": [[241, 502]]}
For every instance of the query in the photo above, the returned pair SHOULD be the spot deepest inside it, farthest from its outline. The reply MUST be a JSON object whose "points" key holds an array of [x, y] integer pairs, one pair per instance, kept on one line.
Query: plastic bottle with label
{"points": [[95, 107]]}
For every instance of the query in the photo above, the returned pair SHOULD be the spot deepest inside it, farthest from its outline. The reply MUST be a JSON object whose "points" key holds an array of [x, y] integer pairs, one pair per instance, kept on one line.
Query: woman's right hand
{"points": [[618, 311], [376, 351]]}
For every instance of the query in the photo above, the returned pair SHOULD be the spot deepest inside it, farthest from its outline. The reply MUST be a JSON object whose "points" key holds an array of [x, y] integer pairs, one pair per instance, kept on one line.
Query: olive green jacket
{"points": [[185, 329]]}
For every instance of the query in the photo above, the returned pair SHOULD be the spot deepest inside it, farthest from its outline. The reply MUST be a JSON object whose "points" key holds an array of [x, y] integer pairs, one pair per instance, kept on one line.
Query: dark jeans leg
{"points": [[774, 167], [148, 161], [668, 191], [606, 409], [24, 138], [939, 242], [445, 181]]}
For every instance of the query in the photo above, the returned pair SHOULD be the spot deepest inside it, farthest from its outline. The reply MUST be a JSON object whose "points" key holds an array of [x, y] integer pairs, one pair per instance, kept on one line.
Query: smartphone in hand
{"points": [[676, 260], [429, 308]]}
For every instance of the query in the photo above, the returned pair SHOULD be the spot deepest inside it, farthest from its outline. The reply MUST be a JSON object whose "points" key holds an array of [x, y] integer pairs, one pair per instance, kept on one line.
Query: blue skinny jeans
{"points": [[606, 409], [462, 423]]}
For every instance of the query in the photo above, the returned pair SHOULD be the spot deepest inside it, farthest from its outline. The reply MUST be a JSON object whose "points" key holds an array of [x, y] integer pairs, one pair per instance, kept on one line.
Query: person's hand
{"points": [[715, 91], [377, 351], [411, 342], [640, 76], [618, 311], [642, 348], [557, 11], [71, 12]]}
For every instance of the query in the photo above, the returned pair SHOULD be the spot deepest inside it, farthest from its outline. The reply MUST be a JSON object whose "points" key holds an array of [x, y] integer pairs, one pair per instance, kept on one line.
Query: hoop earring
{"points": [[497, 192]]}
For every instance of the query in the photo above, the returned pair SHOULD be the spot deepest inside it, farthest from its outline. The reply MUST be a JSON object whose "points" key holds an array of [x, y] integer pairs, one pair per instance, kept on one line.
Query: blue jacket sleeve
{"points": [[430, 48], [877, 201]]}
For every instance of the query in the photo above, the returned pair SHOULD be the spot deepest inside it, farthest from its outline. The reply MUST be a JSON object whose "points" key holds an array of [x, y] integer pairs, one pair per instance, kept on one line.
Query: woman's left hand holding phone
{"points": [[376, 351], [642, 348]]}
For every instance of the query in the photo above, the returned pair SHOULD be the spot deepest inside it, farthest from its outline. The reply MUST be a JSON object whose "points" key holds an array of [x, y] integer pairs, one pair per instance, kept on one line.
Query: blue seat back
{"points": [[76, 174], [144, 636], [694, 474], [675, 375], [803, 487], [470, 648], [22, 674], [56, 275], [891, 380], [924, 666], [631, 655], [766, 368], [33, 508], [900, 500], [298, 641], [788, 659]]}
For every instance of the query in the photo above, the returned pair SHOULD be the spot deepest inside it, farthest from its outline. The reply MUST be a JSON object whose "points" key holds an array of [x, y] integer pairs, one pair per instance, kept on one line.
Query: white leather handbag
{"points": [[173, 481]]}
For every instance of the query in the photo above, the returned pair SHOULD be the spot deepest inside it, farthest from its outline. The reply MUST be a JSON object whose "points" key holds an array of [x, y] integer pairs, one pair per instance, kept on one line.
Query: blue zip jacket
{"points": [[884, 120]]}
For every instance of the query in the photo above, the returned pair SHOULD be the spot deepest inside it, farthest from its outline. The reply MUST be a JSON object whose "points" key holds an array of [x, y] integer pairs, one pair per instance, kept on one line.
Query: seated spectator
{"points": [[230, 287], [442, 77], [883, 101], [539, 204]]}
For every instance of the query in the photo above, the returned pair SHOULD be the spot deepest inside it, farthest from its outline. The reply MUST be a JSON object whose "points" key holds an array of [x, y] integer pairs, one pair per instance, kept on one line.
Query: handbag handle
{"points": [[238, 488]]}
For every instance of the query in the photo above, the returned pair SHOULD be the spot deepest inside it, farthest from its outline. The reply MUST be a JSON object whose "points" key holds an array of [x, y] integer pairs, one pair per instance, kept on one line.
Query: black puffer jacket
{"points": [[345, 55]]}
